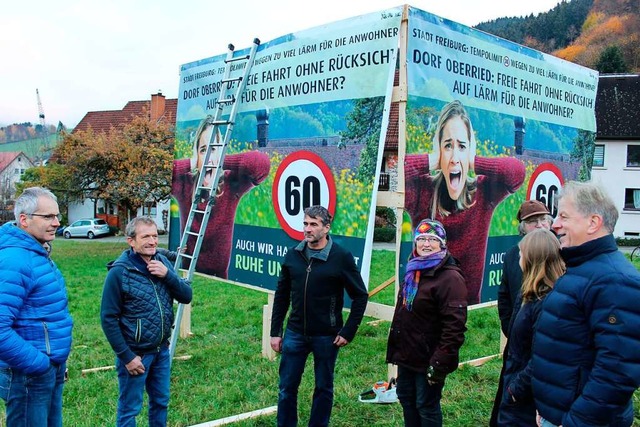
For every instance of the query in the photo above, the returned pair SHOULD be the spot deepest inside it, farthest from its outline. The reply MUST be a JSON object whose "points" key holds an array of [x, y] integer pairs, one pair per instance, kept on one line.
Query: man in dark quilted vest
{"points": [[137, 316]]}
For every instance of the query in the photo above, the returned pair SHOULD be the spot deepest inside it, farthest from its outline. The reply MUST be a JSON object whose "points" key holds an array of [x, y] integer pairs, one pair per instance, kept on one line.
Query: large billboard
{"points": [[311, 129], [307, 132], [524, 116]]}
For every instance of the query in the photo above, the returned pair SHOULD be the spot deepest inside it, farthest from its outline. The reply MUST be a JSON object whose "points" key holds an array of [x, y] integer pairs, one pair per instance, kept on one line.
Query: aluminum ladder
{"points": [[231, 90]]}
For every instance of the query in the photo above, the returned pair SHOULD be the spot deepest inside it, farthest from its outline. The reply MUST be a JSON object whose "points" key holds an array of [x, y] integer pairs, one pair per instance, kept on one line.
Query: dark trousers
{"points": [[420, 401], [493, 421], [295, 350]]}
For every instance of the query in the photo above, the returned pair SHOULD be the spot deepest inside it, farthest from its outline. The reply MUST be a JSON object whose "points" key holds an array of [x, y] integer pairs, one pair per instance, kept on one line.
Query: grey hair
{"points": [[27, 202], [522, 231], [130, 231], [319, 212], [588, 199]]}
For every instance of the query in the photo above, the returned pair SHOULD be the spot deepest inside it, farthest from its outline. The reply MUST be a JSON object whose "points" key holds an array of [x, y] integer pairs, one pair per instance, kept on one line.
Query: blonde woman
{"points": [[541, 266], [463, 191]]}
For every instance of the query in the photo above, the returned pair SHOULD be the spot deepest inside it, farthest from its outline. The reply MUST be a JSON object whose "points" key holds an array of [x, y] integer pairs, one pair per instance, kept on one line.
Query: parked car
{"points": [[88, 227]]}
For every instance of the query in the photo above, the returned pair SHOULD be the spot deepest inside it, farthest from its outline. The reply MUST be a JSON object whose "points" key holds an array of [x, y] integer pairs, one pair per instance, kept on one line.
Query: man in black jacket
{"points": [[314, 276], [137, 317]]}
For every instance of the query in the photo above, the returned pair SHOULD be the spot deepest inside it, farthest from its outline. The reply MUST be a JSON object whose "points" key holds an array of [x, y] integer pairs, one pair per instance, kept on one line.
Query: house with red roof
{"points": [[13, 164], [157, 108]]}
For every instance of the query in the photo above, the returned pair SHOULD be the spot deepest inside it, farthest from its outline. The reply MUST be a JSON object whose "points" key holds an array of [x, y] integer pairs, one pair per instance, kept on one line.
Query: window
{"points": [[633, 156], [598, 156], [150, 209], [632, 199]]}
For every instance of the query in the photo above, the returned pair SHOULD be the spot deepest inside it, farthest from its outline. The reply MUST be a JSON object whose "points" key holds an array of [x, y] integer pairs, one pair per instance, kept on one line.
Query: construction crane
{"points": [[45, 132]]}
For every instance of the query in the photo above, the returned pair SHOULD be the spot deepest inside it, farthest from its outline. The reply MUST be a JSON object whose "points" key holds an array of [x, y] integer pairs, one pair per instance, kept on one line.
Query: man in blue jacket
{"points": [[314, 276], [586, 364], [137, 316], [35, 324]]}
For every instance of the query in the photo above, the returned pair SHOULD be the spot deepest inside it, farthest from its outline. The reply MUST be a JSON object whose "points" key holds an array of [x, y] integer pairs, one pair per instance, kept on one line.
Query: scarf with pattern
{"points": [[412, 275]]}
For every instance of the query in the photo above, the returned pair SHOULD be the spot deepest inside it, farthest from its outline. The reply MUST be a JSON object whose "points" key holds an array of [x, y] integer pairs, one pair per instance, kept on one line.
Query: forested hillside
{"points": [[599, 34]]}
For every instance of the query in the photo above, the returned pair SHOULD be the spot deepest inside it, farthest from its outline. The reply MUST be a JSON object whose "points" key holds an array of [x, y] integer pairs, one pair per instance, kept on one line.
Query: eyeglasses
{"points": [[422, 239], [48, 217], [541, 221]]}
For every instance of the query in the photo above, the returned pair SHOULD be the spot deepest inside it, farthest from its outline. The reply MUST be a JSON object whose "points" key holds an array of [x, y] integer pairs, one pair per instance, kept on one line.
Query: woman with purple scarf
{"points": [[428, 325]]}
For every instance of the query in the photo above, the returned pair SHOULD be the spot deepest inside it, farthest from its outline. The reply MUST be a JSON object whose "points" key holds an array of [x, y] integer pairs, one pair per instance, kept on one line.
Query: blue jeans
{"points": [[295, 350], [420, 401], [33, 400], [156, 379]]}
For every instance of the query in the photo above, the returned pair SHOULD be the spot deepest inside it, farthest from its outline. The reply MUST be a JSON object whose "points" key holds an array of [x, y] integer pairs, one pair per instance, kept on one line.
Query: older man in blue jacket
{"points": [[35, 324], [586, 363]]}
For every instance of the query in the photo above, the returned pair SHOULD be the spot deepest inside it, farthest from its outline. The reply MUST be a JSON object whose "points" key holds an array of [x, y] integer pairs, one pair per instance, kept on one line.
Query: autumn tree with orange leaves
{"points": [[127, 166]]}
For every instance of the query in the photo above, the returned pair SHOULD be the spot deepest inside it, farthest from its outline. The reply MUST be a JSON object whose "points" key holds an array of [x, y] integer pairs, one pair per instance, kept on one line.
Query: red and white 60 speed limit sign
{"points": [[303, 179], [544, 185]]}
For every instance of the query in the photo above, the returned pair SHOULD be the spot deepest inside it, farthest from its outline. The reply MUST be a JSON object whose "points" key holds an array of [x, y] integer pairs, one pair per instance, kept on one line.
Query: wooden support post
{"points": [[400, 96], [382, 286], [267, 309], [185, 323], [379, 311], [478, 362]]}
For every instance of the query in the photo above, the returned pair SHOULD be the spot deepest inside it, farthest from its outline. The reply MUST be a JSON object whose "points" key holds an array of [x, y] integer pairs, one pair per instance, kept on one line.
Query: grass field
{"points": [[226, 374]]}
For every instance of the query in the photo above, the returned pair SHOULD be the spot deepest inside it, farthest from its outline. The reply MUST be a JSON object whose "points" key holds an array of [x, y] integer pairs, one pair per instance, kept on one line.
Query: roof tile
{"points": [[103, 121]]}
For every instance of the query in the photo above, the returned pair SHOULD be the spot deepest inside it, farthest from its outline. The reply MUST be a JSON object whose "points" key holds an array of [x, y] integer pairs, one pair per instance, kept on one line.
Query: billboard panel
{"points": [[522, 117], [307, 132]]}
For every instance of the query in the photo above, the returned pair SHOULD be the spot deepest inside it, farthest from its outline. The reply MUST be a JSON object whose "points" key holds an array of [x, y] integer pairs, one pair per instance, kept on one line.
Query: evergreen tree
{"points": [[611, 61]]}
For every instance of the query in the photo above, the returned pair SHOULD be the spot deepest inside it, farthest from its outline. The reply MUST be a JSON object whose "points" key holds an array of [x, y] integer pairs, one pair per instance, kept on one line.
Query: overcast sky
{"points": [[86, 55]]}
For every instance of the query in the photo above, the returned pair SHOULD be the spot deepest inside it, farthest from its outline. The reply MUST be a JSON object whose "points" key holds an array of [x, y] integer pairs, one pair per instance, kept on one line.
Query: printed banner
{"points": [[489, 124], [308, 131]]}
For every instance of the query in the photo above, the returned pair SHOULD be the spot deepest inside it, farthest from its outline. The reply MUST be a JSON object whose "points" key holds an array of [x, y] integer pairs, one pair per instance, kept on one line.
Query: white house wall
{"points": [[160, 207], [615, 177], [84, 209], [79, 210]]}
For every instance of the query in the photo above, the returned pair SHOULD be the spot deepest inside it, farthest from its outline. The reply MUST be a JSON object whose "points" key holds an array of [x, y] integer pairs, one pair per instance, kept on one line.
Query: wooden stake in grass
{"points": [[108, 368], [386, 283], [240, 417]]}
